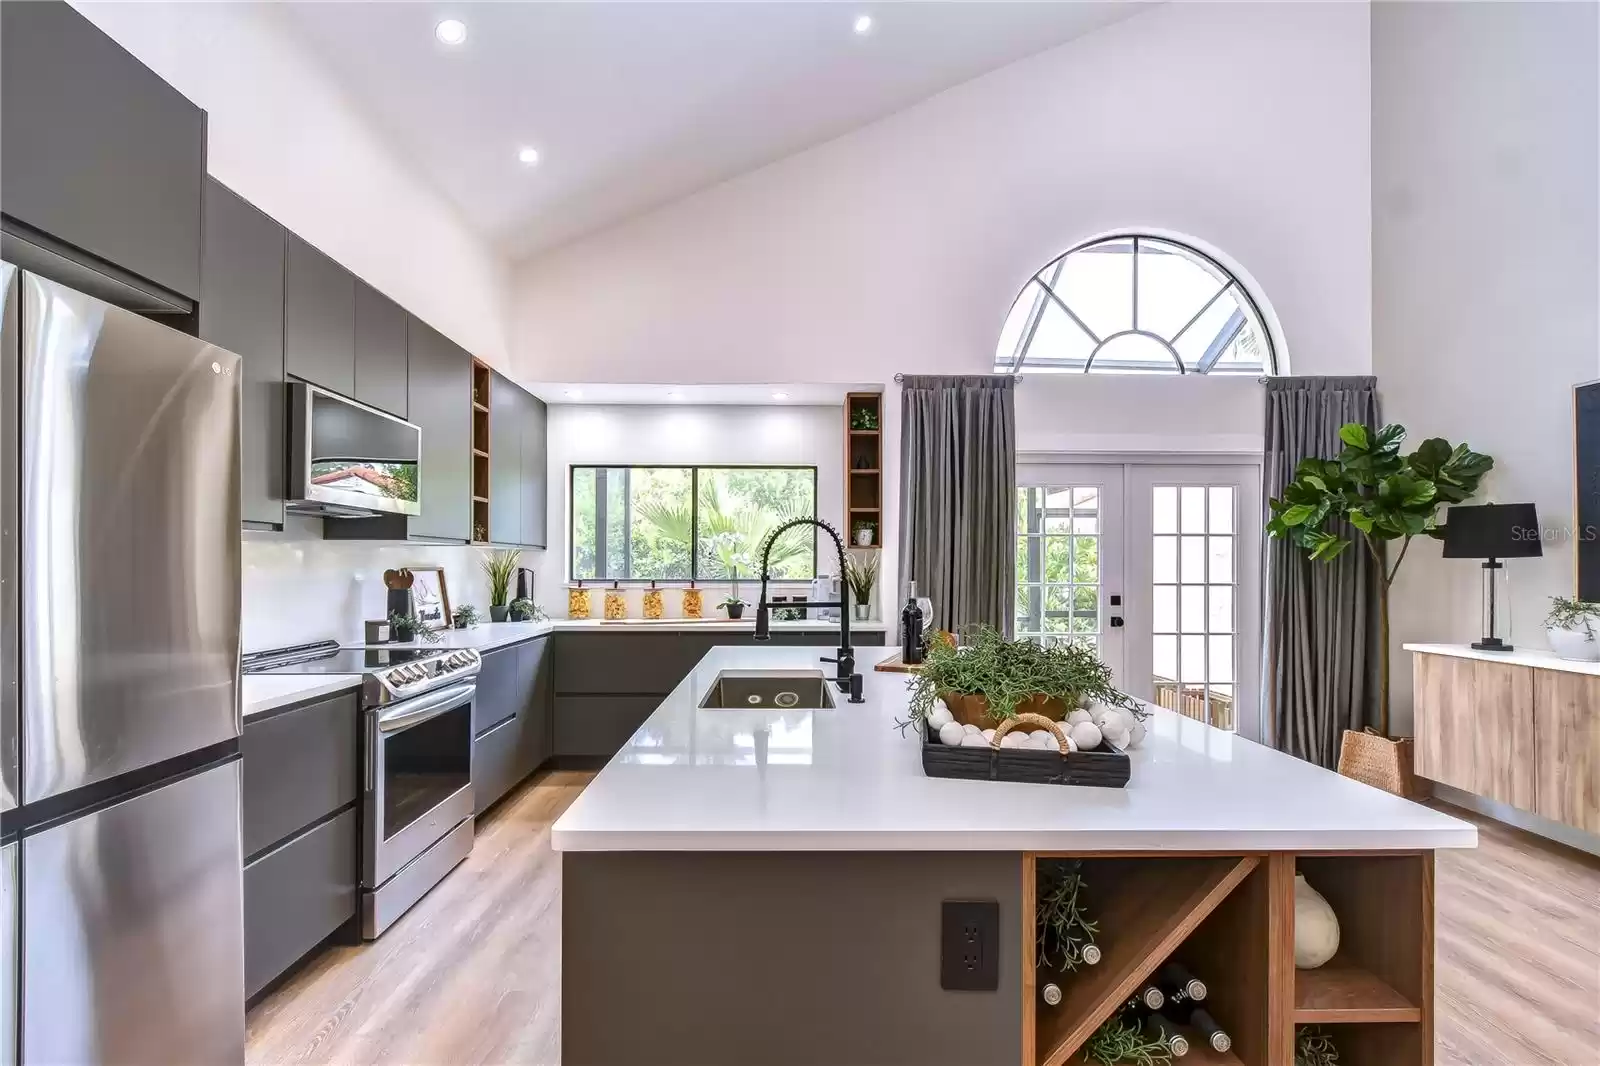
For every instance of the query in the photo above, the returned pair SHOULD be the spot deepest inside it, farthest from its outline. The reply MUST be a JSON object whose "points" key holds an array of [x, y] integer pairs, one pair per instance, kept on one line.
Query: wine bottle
{"points": [[1164, 1031], [1202, 1022], [911, 626], [1051, 993], [1090, 954], [1180, 985], [1148, 998]]}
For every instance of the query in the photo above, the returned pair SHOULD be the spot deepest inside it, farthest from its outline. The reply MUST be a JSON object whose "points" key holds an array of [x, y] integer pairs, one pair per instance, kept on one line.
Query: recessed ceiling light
{"points": [[780, 396], [528, 156], [451, 31], [863, 25], [574, 394]]}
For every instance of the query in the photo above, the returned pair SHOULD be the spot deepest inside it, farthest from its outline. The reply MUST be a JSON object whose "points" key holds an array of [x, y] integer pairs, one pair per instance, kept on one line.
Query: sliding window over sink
{"points": [[690, 523]]}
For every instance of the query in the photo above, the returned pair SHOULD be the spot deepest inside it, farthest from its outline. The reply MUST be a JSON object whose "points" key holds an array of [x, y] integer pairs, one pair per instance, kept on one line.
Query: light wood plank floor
{"points": [[472, 974]]}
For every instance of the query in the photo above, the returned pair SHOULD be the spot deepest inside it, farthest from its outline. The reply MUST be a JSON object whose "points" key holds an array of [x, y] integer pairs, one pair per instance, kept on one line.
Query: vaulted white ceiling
{"points": [[631, 105]]}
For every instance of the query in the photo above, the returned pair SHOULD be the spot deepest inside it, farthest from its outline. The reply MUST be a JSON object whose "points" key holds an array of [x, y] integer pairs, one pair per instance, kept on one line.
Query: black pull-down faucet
{"points": [[846, 678]]}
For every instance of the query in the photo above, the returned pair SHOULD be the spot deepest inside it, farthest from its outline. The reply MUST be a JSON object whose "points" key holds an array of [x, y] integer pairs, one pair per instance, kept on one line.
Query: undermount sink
{"points": [[769, 690]]}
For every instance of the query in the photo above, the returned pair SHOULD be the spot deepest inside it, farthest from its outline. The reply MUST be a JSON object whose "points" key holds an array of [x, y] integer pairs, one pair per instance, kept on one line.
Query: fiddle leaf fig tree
{"points": [[1384, 496]]}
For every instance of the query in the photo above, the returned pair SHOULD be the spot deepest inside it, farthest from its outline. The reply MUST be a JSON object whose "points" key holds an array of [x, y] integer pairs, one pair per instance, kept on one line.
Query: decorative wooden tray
{"points": [[1107, 766]]}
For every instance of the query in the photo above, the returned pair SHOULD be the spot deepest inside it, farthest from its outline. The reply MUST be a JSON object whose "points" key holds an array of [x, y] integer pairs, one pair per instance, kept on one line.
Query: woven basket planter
{"points": [[974, 710], [1374, 759]]}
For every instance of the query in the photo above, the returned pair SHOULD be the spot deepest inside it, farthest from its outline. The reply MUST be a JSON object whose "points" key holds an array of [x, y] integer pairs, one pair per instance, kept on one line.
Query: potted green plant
{"points": [[1375, 491], [407, 627], [523, 609], [863, 418], [733, 604], [990, 678], [864, 531], [1571, 628], [862, 576], [500, 566], [465, 617]]}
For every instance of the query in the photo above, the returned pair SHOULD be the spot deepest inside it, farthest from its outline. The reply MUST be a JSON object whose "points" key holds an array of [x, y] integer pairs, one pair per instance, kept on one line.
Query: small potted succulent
{"points": [[407, 627], [862, 576], [523, 609], [1573, 627], [465, 617]]}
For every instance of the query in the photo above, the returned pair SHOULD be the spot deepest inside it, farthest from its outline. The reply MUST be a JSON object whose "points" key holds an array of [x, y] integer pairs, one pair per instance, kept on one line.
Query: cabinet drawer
{"points": [[297, 895], [498, 695], [599, 725], [299, 766], [497, 764]]}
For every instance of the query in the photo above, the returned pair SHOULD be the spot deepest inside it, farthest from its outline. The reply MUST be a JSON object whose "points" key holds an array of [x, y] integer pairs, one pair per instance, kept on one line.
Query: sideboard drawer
{"points": [[1475, 727]]}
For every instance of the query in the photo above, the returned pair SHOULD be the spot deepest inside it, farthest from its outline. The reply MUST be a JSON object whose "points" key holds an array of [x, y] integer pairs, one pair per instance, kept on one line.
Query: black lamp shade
{"points": [[1492, 531]]}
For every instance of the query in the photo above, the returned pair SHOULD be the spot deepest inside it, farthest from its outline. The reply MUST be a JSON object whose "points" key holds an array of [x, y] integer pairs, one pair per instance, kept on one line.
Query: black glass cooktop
{"points": [[331, 659]]}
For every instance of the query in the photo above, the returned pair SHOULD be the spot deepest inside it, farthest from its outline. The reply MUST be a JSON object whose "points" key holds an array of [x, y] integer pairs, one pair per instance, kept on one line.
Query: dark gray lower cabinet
{"points": [[598, 726], [295, 896], [299, 766], [511, 719], [302, 778]]}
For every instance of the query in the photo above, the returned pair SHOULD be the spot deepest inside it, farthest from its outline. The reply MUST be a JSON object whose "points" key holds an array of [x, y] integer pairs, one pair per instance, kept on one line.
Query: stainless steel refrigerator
{"points": [[119, 677]]}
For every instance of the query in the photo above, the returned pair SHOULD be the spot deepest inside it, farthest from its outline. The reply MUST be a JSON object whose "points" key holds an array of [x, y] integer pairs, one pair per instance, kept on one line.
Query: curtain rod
{"points": [[899, 378]]}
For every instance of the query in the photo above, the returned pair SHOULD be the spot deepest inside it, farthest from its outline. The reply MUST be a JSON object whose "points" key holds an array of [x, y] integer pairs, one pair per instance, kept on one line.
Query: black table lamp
{"points": [[1492, 531]]}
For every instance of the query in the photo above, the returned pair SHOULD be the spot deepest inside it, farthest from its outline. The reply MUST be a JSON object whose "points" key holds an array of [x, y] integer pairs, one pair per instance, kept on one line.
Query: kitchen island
{"points": [[748, 886]]}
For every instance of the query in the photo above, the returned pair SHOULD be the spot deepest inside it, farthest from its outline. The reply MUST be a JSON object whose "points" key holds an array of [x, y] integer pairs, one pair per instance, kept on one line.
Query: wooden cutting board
{"points": [[895, 665]]}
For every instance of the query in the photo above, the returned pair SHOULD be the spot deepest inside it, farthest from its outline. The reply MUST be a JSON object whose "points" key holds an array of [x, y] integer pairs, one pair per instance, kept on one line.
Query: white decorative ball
{"points": [[1079, 715], [970, 729], [938, 717], [1114, 734], [1136, 734], [987, 735], [1072, 745], [1044, 741], [1086, 735], [1316, 927], [1085, 702], [951, 733], [1014, 740], [974, 740]]}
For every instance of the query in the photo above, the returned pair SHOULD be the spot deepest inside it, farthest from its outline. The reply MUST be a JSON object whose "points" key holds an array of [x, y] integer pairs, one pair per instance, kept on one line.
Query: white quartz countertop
{"points": [[1542, 660], [267, 692], [491, 635], [847, 780]]}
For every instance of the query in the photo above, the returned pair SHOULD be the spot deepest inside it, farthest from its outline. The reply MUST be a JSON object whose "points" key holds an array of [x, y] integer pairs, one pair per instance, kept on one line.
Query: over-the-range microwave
{"points": [[349, 460]]}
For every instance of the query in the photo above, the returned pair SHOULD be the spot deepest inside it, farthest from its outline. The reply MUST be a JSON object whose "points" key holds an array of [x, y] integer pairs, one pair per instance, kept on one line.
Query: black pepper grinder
{"points": [[911, 626]]}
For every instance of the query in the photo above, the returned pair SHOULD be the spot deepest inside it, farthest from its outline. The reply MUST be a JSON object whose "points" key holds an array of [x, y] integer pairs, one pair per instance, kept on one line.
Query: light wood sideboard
{"points": [[1522, 728]]}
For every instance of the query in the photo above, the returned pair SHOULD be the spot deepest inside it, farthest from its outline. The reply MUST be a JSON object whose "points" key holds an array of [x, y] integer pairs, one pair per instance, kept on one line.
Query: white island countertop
{"points": [[847, 780]]}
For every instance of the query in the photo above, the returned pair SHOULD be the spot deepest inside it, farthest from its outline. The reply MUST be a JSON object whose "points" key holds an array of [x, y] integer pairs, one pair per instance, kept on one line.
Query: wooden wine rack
{"points": [[1231, 919]]}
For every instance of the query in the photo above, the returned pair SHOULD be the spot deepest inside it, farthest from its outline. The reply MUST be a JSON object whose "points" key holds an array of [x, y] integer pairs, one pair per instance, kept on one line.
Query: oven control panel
{"points": [[409, 678]]}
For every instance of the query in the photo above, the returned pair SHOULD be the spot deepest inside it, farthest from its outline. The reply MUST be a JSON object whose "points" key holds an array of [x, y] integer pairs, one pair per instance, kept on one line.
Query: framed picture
{"points": [[431, 596], [1586, 456]]}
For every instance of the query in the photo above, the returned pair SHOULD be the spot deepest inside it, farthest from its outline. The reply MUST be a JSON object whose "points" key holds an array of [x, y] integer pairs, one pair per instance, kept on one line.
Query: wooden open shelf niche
{"points": [[863, 460], [1230, 919], [482, 382]]}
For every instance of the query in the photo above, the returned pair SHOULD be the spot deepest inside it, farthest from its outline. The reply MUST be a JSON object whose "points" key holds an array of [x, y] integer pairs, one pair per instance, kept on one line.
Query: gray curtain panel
{"points": [[958, 485], [1319, 618]]}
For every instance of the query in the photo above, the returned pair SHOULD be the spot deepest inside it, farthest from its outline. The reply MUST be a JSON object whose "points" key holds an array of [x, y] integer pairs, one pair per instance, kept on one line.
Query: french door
{"points": [[1159, 567]]}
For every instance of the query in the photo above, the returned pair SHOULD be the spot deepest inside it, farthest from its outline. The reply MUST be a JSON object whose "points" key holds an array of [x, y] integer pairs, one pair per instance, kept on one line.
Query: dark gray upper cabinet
{"points": [[319, 319], [241, 309], [439, 391], [96, 151], [535, 463], [380, 351], [517, 458], [506, 407]]}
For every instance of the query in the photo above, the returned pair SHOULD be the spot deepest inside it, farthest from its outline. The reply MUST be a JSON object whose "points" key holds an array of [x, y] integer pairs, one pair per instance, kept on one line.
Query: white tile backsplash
{"points": [[299, 587]]}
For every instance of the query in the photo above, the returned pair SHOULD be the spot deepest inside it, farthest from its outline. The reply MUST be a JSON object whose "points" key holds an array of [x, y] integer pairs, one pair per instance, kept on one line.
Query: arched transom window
{"points": [[1135, 305]]}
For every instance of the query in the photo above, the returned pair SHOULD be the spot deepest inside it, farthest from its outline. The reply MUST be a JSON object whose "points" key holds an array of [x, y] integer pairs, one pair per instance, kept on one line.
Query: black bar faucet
{"points": [[846, 678]]}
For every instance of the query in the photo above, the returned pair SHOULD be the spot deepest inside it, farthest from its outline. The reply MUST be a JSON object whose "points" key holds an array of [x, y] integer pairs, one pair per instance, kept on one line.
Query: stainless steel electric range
{"points": [[416, 808]]}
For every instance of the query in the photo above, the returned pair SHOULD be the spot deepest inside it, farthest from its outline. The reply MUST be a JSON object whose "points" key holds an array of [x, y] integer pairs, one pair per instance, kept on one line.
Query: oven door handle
{"points": [[420, 709]]}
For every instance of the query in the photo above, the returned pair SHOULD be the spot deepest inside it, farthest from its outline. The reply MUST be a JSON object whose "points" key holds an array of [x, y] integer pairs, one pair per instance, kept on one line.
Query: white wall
{"points": [[1126, 413], [286, 138], [583, 434], [299, 587], [900, 246], [1486, 274]]}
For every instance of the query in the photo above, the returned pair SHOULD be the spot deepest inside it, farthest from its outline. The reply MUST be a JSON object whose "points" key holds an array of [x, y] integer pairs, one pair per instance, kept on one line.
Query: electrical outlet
{"points": [[969, 945]]}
